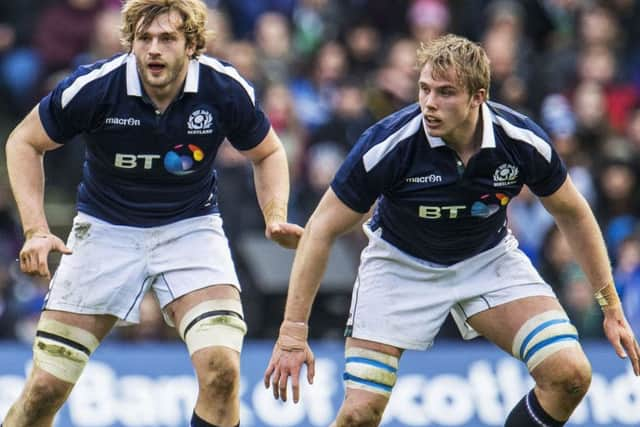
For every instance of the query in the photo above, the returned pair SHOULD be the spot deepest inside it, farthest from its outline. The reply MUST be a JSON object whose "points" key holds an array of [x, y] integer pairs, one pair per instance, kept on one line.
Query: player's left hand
{"points": [[287, 363], [620, 335], [285, 234]]}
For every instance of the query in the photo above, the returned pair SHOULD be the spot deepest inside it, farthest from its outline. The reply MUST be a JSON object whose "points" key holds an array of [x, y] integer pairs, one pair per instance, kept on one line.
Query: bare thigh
{"points": [[500, 324], [98, 324], [178, 308]]}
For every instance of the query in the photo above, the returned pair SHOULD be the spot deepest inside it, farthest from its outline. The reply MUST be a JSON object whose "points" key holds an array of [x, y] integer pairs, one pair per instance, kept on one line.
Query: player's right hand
{"points": [[35, 252], [287, 363]]}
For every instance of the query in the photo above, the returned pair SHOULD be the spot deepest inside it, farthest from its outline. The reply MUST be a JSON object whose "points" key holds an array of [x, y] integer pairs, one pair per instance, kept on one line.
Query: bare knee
{"points": [[218, 372], [43, 397], [567, 373], [360, 413], [360, 417]]}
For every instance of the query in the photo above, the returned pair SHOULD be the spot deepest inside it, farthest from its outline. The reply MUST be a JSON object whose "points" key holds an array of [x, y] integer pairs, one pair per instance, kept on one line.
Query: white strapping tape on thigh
{"points": [[370, 370], [214, 323], [62, 350], [543, 335]]}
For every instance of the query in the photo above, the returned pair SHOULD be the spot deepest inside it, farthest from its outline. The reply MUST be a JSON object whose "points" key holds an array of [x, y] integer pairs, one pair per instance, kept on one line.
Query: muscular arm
{"points": [[577, 223], [330, 219], [25, 152], [271, 175]]}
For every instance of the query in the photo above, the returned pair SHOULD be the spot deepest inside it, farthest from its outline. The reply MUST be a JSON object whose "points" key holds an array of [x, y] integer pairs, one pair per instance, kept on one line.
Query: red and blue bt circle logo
{"points": [[182, 158]]}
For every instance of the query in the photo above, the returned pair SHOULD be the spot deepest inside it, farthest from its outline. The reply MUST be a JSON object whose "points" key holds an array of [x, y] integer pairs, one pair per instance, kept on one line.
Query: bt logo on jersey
{"points": [[435, 212], [130, 161], [180, 160]]}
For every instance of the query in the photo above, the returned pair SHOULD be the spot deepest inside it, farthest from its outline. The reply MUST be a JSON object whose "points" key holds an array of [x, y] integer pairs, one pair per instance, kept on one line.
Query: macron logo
{"points": [[425, 179], [121, 121]]}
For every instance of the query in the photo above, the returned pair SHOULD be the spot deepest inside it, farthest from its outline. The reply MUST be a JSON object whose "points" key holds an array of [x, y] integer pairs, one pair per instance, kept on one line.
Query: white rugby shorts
{"points": [[401, 300], [113, 266]]}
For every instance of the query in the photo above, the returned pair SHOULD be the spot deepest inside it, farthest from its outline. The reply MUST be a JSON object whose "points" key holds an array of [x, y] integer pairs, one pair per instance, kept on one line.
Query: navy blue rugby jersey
{"points": [[145, 168], [429, 204]]}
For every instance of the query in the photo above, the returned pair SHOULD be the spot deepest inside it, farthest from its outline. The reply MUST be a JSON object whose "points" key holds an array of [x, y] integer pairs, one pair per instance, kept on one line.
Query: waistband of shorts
{"points": [[82, 216], [509, 242]]}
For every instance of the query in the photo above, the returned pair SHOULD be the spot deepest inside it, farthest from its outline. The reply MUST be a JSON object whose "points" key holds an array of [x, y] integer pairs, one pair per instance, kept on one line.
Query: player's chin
{"points": [[436, 132]]}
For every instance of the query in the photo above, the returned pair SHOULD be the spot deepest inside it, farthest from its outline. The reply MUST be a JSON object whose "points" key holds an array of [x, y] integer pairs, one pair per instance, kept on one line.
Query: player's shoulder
{"points": [[91, 79], [519, 130], [98, 71], [512, 121], [397, 126], [384, 140], [220, 75]]}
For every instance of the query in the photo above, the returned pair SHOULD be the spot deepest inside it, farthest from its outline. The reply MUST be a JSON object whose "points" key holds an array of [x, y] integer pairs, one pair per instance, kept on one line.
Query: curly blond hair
{"points": [[468, 60], [193, 13]]}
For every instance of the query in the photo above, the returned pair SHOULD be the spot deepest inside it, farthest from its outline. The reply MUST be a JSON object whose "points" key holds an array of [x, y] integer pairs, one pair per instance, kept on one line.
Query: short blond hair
{"points": [[193, 13], [468, 60]]}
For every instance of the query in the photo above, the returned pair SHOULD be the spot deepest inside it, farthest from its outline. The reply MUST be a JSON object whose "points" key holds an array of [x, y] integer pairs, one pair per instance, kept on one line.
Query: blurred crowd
{"points": [[325, 70]]}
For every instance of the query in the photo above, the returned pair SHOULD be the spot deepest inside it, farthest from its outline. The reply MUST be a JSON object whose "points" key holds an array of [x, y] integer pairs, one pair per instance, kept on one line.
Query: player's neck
{"points": [[466, 140]]}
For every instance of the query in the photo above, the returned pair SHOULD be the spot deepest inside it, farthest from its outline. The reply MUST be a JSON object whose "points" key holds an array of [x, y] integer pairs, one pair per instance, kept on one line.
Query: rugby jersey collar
{"points": [[488, 137], [134, 87]]}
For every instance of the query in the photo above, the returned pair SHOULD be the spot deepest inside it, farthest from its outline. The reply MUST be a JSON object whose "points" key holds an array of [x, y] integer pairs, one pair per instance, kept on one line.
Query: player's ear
{"points": [[478, 97], [191, 50]]}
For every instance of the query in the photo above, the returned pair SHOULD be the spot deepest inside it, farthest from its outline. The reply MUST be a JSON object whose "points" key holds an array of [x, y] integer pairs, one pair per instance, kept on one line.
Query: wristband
{"points": [[275, 211], [35, 232], [607, 297], [293, 336]]}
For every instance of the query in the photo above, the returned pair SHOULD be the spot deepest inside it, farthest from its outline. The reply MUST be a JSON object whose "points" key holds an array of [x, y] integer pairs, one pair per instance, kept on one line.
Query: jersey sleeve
{"points": [[249, 124], [355, 186], [546, 171], [66, 112]]}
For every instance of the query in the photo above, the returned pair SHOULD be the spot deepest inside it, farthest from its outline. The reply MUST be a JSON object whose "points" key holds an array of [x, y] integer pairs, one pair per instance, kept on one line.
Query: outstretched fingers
{"points": [[311, 369], [630, 344]]}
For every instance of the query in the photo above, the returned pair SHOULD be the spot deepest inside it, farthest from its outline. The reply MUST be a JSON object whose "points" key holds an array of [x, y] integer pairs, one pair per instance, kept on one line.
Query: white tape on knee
{"points": [[62, 350], [214, 323], [543, 335], [370, 370]]}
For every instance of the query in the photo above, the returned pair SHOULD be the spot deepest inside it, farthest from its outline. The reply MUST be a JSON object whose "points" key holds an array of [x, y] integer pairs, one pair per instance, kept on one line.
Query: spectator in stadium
{"points": [[147, 209], [441, 173]]}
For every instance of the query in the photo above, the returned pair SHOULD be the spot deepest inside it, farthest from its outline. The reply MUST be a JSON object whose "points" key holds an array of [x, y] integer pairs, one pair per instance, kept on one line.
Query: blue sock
{"points": [[529, 413], [196, 421]]}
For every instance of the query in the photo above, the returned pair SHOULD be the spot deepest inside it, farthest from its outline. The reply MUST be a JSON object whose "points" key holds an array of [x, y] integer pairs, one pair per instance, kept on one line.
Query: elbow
{"points": [[18, 147]]}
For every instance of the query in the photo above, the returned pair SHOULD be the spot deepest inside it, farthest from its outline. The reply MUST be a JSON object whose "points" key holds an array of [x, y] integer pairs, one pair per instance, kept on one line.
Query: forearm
{"points": [[271, 176], [26, 176], [585, 239], [308, 269]]}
